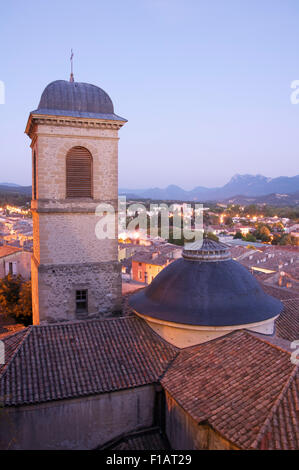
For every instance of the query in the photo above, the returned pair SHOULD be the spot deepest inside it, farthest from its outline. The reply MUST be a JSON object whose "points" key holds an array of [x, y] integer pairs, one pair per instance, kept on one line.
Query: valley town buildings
{"points": [[200, 359]]}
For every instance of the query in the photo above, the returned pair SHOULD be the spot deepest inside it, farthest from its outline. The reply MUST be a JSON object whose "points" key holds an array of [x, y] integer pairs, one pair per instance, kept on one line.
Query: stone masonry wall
{"points": [[52, 146], [71, 238], [57, 285], [68, 256], [184, 433], [82, 423]]}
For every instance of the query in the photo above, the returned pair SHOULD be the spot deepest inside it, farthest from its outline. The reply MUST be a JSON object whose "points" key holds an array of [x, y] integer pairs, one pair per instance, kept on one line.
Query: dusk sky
{"points": [[205, 85]]}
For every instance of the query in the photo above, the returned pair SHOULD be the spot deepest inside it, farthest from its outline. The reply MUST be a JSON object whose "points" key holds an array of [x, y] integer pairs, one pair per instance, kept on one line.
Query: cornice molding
{"points": [[65, 121]]}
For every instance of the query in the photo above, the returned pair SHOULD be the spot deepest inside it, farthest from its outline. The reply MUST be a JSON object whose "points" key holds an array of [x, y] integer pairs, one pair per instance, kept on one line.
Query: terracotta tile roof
{"points": [[127, 262], [149, 439], [281, 430], [169, 248], [237, 384], [280, 293], [126, 308], [237, 251], [159, 260], [8, 326], [128, 287], [275, 340], [74, 359], [8, 250], [275, 260], [287, 324], [11, 343]]}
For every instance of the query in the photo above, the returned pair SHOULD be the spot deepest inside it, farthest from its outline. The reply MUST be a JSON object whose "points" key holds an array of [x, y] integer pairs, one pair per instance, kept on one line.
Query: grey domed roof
{"points": [[201, 292], [76, 99]]}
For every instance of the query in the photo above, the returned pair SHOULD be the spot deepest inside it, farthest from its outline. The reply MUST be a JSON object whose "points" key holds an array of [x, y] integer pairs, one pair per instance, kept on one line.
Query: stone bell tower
{"points": [[74, 141]]}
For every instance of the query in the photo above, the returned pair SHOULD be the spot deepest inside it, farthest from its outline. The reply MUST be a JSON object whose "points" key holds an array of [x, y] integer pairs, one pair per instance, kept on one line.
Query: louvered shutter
{"points": [[6, 268], [78, 173], [14, 268]]}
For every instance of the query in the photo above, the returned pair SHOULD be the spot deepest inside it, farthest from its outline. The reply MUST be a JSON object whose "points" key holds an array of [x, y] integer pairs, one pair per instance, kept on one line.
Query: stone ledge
{"points": [[85, 205], [79, 266]]}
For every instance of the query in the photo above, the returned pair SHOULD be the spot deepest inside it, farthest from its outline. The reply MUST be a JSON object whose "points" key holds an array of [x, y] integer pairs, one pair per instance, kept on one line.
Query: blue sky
{"points": [[205, 85]]}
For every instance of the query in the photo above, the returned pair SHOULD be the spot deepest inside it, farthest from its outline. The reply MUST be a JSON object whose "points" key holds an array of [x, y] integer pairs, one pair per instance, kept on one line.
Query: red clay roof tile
{"points": [[233, 384], [82, 358]]}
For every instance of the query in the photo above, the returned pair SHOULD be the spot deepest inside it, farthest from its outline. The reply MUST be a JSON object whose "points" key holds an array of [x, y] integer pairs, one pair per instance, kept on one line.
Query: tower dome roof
{"points": [[206, 250], [206, 288], [76, 99]]}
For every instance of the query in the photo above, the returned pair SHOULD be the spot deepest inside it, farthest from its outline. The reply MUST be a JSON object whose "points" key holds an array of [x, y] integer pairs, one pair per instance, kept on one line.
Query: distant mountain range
{"points": [[245, 185], [11, 185], [241, 189], [274, 199], [15, 188]]}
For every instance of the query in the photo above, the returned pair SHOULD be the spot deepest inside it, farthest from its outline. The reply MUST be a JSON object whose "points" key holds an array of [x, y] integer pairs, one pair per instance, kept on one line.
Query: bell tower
{"points": [[74, 142]]}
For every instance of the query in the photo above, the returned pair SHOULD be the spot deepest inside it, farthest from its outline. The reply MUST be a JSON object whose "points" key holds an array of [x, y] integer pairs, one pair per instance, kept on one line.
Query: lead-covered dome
{"points": [[76, 99], [206, 288]]}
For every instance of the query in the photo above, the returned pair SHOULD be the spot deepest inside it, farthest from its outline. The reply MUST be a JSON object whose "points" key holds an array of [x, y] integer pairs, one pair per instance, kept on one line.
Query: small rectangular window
{"points": [[81, 301]]}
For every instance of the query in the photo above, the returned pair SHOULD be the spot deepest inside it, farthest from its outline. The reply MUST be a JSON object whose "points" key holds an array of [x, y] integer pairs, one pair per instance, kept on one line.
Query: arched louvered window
{"points": [[78, 173]]}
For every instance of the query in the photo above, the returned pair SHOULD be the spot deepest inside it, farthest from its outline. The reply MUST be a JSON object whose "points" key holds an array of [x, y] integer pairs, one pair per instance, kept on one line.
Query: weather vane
{"points": [[71, 59]]}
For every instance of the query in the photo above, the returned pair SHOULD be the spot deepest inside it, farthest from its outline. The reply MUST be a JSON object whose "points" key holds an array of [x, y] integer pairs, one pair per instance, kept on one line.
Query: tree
{"points": [[285, 240], [295, 241], [212, 236], [9, 293], [228, 221], [23, 309], [276, 239], [251, 209], [238, 235], [234, 209], [15, 298], [249, 237], [176, 241], [278, 227], [263, 233]]}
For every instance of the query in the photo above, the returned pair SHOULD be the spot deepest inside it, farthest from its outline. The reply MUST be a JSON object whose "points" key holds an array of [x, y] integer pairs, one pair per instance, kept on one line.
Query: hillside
{"points": [[245, 185]]}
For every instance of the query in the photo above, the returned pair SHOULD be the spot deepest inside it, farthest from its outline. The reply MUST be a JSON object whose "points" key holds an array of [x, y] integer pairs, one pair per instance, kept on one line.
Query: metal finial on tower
{"points": [[71, 59]]}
